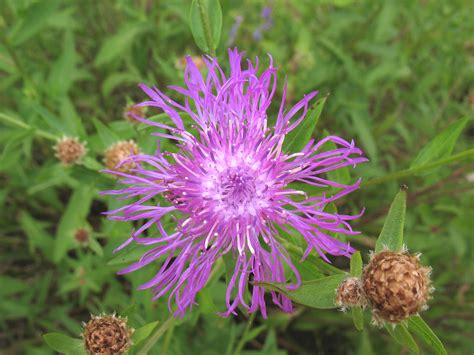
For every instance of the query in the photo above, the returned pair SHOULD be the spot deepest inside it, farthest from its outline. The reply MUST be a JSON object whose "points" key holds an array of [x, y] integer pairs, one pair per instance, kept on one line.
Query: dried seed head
{"points": [[81, 235], [131, 112], [396, 286], [107, 335], [118, 153], [349, 293], [69, 150]]}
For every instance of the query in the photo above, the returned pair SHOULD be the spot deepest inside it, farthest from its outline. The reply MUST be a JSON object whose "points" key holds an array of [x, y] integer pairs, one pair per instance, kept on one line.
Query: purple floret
{"points": [[227, 188]]}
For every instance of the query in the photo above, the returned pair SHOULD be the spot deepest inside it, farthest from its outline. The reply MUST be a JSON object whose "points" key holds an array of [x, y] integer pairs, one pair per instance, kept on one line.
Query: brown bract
{"points": [[396, 286], [107, 335], [349, 293], [69, 150], [119, 152]]}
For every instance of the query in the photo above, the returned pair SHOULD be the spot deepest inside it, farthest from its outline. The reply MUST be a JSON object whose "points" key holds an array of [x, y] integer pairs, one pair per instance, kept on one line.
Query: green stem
{"points": [[243, 339], [26, 126], [412, 171], [156, 335]]}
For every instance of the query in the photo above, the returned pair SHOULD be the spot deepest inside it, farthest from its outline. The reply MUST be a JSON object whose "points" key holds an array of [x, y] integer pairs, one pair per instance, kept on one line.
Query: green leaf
{"points": [[106, 135], [423, 330], [205, 19], [319, 293], [64, 344], [358, 317], [401, 334], [392, 231], [34, 20], [356, 264], [114, 47], [73, 218], [441, 146], [299, 137], [143, 332], [63, 72]]}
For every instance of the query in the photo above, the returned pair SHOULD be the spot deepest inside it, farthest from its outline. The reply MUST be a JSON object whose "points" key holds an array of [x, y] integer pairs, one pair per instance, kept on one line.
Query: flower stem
{"points": [[243, 339], [412, 171], [156, 335], [21, 124]]}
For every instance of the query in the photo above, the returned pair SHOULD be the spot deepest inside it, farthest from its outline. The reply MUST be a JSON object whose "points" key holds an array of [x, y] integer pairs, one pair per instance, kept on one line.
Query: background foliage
{"points": [[399, 75]]}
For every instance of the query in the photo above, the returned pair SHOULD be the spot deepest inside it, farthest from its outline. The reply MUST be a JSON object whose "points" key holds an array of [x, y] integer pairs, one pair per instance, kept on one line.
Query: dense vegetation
{"points": [[399, 77]]}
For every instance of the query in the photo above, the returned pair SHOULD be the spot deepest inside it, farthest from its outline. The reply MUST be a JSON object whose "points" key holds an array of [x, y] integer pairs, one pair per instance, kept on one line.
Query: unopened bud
{"points": [[349, 293], [396, 286], [70, 150], [131, 112], [118, 153], [107, 335], [81, 235]]}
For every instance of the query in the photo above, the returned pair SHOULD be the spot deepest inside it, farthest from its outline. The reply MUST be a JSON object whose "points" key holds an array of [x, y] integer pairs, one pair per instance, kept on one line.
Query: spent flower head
{"points": [[116, 156], [396, 286], [107, 335], [70, 150], [228, 189]]}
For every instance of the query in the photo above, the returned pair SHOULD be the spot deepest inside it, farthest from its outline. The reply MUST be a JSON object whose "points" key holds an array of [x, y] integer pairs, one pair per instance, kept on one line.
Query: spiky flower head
{"points": [[107, 335], [70, 150], [231, 188], [116, 156], [350, 294], [396, 286]]}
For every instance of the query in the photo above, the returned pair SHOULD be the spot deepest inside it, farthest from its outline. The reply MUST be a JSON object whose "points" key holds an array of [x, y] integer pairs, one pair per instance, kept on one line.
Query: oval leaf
{"points": [[319, 293], [205, 19], [143, 332], [64, 344], [423, 330], [391, 236], [356, 264]]}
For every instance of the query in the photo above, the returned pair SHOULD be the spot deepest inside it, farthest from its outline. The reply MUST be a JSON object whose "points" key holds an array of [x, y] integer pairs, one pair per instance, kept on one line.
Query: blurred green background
{"points": [[398, 74]]}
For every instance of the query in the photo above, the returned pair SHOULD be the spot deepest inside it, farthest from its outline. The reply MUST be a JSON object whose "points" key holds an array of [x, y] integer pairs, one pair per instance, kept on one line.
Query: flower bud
{"points": [[131, 112], [69, 150], [81, 235], [396, 286], [107, 335], [349, 293], [118, 153]]}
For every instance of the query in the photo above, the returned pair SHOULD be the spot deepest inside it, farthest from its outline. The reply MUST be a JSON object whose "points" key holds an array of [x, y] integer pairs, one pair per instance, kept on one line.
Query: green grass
{"points": [[398, 74]]}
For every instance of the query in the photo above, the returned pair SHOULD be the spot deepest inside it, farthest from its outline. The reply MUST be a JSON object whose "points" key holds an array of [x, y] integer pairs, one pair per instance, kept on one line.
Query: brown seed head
{"points": [[396, 286], [107, 335], [81, 235], [69, 150], [198, 62], [131, 111], [349, 293], [119, 152]]}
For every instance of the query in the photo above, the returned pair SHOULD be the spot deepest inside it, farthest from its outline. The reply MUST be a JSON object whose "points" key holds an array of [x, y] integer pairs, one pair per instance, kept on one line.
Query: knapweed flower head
{"points": [[70, 150], [396, 286], [107, 335], [228, 188], [116, 156]]}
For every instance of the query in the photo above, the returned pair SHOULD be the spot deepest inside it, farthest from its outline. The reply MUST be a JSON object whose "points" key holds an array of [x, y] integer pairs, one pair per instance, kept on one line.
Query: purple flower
{"points": [[228, 188]]}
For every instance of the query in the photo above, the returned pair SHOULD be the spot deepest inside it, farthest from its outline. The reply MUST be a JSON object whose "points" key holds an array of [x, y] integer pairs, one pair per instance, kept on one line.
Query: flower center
{"points": [[237, 186]]}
